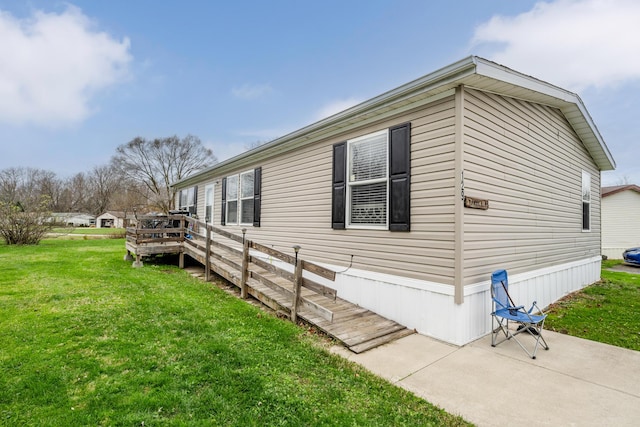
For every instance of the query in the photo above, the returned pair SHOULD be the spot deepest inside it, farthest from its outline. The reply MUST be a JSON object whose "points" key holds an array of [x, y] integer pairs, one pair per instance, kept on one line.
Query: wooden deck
{"points": [[272, 277]]}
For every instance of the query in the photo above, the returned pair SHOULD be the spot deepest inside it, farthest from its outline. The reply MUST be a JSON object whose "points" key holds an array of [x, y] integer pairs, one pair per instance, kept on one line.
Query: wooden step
{"points": [[376, 342]]}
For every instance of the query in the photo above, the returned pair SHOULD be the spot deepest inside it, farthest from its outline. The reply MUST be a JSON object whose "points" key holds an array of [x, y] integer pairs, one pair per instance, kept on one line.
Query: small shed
{"points": [[620, 219], [113, 219]]}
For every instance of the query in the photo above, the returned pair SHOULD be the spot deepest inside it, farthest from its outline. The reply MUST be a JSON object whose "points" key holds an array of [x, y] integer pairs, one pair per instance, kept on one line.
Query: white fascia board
{"points": [[498, 72]]}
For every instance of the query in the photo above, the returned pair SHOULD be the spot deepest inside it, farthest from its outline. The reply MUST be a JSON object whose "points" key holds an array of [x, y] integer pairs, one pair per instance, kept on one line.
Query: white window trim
{"points": [[349, 184], [586, 178], [190, 191], [237, 200], [241, 199], [210, 202]]}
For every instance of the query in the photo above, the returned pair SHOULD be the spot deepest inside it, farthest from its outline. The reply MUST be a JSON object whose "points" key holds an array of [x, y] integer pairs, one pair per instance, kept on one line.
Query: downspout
{"points": [[458, 262]]}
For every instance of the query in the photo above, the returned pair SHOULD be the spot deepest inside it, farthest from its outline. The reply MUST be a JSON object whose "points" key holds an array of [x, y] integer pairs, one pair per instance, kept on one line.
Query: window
{"points": [[371, 181], [232, 199], [586, 201], [246, 197], [367, 182], [188, 199], [241, 198], [208, 203]]}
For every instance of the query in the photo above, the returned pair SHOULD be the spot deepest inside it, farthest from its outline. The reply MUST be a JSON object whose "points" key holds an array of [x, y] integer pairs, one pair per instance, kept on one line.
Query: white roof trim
{"points": [[472, 71]]}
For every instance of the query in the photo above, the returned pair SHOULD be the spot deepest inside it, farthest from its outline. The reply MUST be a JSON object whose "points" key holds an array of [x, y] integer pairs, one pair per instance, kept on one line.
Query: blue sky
{"points": [[79, 78]]}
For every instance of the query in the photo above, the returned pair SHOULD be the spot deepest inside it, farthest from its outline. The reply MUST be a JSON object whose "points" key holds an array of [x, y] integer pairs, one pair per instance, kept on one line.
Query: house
{"points": [[73, 219], [415, 196], [113, 219], [620, 219]]}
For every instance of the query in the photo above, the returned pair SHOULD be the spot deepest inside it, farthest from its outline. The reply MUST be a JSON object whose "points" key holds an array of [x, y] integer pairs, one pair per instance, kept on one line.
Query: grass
{"points": [[607, 311], [88, 230], [87, 340]]}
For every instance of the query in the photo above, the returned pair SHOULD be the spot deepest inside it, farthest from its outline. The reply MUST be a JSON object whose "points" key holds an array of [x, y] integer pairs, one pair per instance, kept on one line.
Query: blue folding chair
{"points": [[505, 311]]}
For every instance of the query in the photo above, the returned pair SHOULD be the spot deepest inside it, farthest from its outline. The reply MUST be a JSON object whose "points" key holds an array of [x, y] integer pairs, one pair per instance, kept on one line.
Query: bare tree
{"points": [[53, 188], [25, 186], [160, 162], [624, 180], [104, 182]]}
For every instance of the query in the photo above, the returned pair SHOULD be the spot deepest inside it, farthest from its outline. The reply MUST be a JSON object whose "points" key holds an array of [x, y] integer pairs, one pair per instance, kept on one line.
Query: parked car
{"points": [[632, 256]]}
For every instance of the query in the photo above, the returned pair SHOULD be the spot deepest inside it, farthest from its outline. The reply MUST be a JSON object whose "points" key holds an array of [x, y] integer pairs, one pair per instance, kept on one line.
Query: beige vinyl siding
{"points": [[620, 219], [528, 162], [296, 204]]}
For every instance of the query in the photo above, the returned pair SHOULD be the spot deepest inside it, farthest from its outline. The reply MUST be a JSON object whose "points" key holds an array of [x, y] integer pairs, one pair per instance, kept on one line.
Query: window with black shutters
{"points": [[371, 181]]}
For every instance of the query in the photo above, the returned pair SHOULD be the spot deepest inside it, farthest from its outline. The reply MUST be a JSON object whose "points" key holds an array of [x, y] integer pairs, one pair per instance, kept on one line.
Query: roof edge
{"points": [[608, 191], [452, 71], [457, 71]]}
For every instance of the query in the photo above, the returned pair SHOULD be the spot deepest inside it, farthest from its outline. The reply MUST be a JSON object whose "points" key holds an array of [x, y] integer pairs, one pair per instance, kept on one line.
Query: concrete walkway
{"points": [[626, 268], [576, 383]]}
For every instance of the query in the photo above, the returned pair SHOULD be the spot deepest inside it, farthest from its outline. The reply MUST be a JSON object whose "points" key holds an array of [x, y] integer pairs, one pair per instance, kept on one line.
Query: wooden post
{"points": [[207, 256], [137, 228], [138, 262], [183, 226], [297, 285], [245, 270]]}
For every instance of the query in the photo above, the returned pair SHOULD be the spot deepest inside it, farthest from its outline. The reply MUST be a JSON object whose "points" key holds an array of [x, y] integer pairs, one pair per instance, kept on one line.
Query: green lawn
{"points": [[88, 230], [608, 311], [85, 339]]}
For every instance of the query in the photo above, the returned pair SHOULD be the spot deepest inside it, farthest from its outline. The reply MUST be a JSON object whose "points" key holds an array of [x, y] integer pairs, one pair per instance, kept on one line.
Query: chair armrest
{"points": [[513, 310], [535, 304]]}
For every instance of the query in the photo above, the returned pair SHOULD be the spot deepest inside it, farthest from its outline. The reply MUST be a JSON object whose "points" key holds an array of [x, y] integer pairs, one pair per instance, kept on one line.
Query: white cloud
{"points": [[252, 91], [52, 64], [335, 107], [570, 43]]}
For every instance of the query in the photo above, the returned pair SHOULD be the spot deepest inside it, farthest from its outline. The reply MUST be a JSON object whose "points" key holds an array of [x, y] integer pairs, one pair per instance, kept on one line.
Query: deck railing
{"points": [[238, 259]]}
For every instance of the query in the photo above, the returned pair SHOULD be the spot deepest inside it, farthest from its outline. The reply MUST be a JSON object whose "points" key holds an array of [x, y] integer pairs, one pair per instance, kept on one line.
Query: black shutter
{"points": [[339, 188], [223, 208], [257, 187], [179, 199], [400, 177]]}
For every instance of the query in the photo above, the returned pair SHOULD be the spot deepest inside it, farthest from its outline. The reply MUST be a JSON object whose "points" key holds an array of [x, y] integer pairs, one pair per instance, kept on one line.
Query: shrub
{"points": [[20, 226]]}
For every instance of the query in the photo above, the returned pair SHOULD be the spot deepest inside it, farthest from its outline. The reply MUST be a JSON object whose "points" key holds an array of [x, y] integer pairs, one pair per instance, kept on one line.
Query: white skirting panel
{"points": [[429, 307]]}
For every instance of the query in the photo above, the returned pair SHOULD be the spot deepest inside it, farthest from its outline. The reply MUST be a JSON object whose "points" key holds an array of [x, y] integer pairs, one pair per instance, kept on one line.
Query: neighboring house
{"points": [[113, 219], [620, 219], [73, 219], [428, 188]]}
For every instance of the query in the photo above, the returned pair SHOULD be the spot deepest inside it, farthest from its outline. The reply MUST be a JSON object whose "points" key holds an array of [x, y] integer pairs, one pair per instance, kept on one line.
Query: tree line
{"points": [[138, 177]]}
